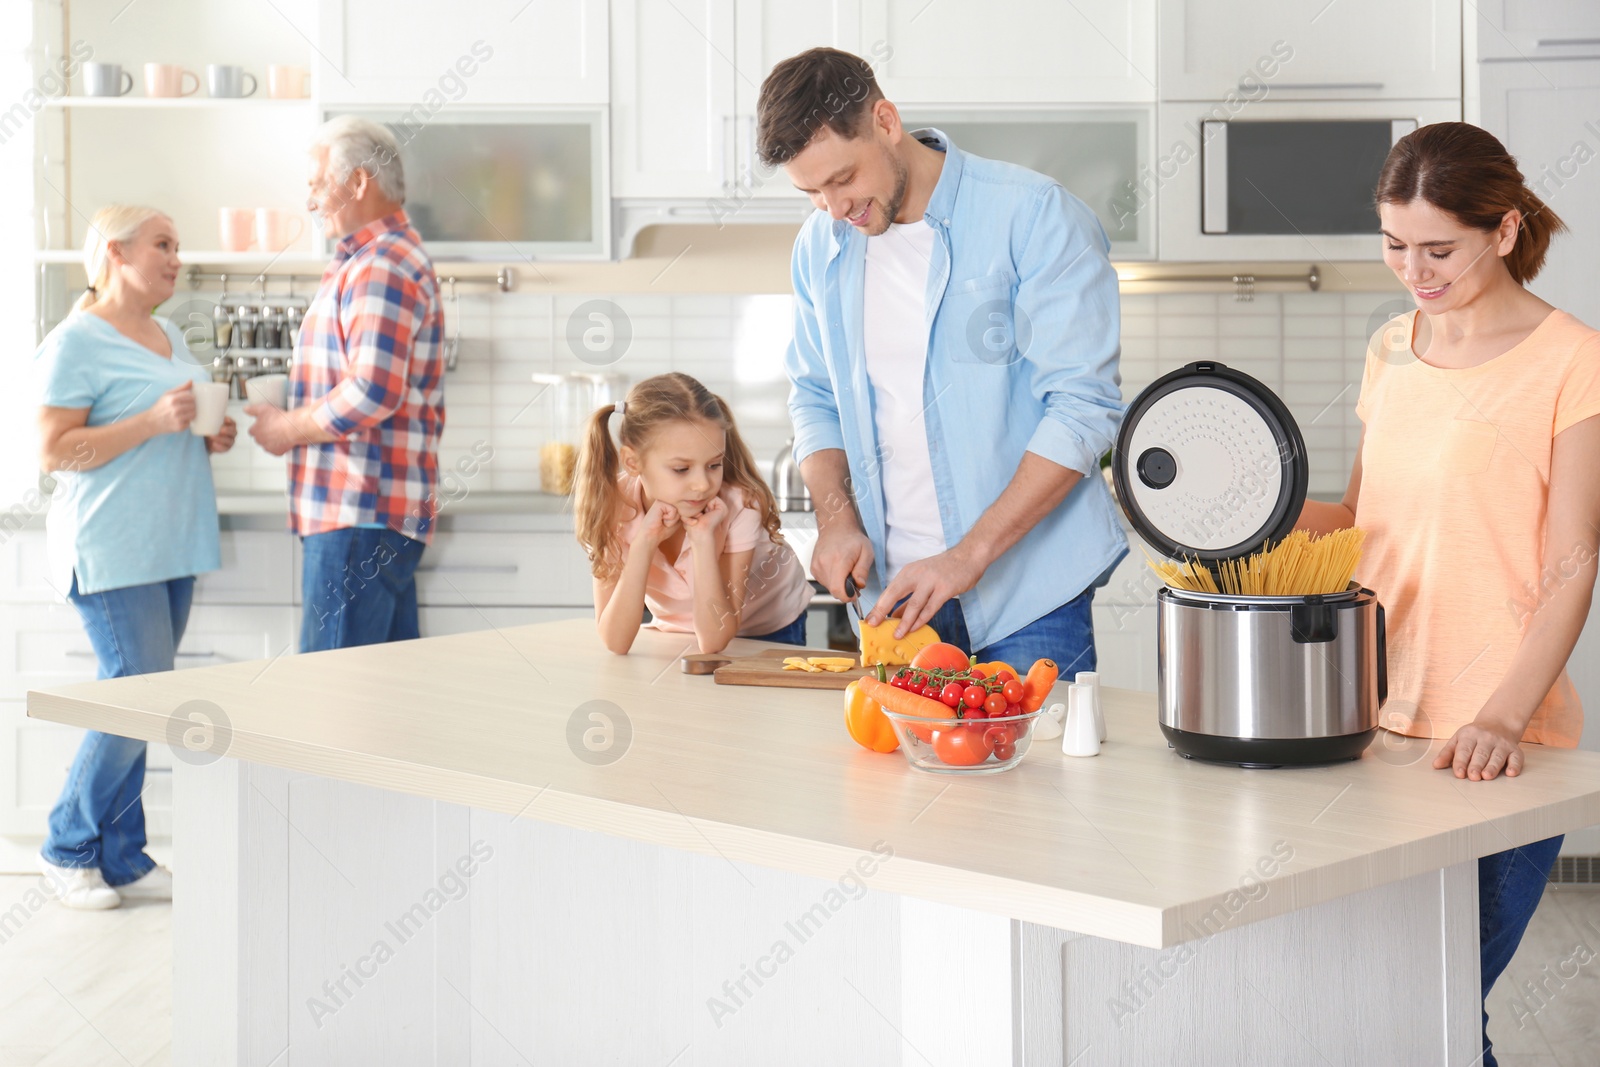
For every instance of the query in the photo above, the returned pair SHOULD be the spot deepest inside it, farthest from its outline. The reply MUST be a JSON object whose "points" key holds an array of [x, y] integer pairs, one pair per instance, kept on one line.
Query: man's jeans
{"points": [[358, 587], [1065, 635]]}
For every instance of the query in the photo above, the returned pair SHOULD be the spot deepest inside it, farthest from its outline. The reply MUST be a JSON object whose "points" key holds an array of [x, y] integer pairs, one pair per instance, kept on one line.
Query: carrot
{"points": [[1036, 686], [903, 702]]}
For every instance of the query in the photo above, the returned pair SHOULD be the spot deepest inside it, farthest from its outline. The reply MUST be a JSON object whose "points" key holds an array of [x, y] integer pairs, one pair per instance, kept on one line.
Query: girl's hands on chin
{"points": [[706, 522], [660, 522]]}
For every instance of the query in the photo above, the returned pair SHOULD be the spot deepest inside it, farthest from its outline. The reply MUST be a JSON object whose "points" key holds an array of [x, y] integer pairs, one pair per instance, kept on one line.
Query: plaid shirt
{"points": [[368, 362]]}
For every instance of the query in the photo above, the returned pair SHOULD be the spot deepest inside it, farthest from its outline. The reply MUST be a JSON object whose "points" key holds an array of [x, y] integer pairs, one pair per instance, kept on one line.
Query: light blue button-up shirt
{"points": [[1023, 340]]}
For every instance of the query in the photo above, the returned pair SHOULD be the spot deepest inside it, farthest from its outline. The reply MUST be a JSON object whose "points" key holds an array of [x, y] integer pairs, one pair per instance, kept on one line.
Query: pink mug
{"points": [[166, 79], [237, 227], [272, 229], [287, 83]]}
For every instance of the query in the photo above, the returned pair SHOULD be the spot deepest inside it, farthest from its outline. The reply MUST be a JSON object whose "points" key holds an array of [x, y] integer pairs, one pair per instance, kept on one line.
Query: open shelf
{"points": [[295, 257], [178, 102]]}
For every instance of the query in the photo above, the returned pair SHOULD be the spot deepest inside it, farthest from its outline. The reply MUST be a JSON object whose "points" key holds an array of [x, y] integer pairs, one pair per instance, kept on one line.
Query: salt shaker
{"points": [[1092, 680], [1080, 737]]}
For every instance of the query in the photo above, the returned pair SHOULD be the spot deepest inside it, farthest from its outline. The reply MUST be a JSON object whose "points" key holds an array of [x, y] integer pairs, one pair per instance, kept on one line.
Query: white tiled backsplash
{"points": [[1308, 347]]}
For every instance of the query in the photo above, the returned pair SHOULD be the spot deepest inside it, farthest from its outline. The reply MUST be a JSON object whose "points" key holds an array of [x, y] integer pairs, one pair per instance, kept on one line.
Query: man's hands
{"points": [[223, 439], [928, 583], [841, 549], [276, 430], [1481, 749], [174, 411]]}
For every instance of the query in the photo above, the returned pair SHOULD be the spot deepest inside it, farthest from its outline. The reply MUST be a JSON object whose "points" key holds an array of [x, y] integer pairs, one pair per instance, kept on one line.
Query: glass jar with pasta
{"points": [[566, 400]]}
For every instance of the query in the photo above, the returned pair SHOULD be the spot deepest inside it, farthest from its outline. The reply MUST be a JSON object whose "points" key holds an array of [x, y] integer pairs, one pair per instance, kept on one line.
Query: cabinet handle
{"points": [[469, 568], [1367, 86], [181, 654], [83, 653], [750, 160], [1547, 42], [722, 152]]}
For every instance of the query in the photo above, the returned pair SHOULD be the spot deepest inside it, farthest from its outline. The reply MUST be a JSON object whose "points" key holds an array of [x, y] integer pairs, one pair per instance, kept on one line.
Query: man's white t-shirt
{"points": [[895, 327]]}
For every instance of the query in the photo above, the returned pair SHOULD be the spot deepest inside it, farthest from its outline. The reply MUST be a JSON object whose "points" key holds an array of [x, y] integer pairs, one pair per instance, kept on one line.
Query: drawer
{"points": [[524, 569], [24, 568], [256, 569], [439, 622], [44, 645], [40, 753]]}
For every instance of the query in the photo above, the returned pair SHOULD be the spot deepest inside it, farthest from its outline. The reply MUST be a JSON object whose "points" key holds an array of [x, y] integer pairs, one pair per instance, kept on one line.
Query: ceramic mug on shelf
{"points": [[237, 228], [273, 229], [227, 81], [166, 79], [287, 83], [106, 79]]}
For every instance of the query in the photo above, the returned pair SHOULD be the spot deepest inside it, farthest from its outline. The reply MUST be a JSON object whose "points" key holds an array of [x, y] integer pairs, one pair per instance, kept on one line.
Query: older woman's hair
{"points": [[114, 222], [355, 143]]}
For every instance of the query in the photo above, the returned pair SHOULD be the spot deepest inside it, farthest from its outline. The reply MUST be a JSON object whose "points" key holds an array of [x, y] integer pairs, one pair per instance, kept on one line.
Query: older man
{"points": [[366, 400], [954, 371]]}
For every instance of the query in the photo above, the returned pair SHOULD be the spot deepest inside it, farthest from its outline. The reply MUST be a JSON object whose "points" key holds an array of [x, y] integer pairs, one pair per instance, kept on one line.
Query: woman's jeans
{"points": [[99, 819], [1510, 885]]}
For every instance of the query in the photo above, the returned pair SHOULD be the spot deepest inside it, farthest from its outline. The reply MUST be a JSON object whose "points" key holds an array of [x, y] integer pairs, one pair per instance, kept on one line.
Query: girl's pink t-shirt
{"points": [[1455, 487], [776, 590]]}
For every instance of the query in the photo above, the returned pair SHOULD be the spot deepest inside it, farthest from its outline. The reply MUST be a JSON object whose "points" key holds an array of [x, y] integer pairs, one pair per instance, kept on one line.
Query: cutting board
{"points": [[766, 668]]}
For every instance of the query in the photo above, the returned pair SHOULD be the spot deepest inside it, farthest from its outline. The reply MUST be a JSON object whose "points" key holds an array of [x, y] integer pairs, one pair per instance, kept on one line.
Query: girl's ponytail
{"points": [[739, 468], [594, 496]]}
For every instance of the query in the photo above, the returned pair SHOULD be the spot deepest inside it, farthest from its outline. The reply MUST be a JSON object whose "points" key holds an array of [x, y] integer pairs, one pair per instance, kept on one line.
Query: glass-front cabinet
{"points": [[1102, 156]]}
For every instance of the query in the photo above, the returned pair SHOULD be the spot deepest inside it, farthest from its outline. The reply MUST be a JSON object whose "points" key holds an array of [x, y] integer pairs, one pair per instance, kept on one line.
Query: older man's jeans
{"points": [[358, 587]]}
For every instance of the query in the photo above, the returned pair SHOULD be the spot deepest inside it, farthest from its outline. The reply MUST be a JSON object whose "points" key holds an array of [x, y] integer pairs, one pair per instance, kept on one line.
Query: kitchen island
{"points": [[511, 847]]}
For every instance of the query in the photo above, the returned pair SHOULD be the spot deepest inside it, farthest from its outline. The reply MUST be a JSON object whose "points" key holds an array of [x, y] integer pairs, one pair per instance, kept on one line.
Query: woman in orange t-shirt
{"points": [[1476, 484]]}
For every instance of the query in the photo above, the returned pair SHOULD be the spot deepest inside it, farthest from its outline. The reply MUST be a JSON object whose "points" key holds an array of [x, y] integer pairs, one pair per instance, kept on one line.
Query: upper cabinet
{"points": [[1014, 51], [686, 77], [1312, 49], [422, 54], [1537, 29]]}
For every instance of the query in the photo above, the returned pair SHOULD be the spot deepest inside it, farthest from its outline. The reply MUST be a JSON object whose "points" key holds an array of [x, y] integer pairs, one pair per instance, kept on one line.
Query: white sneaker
{"points": [[80, 887], [155, 885]]}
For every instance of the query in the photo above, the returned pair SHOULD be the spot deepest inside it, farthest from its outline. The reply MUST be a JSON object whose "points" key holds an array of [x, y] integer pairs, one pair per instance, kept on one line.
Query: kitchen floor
{"points": [[94, 989]]}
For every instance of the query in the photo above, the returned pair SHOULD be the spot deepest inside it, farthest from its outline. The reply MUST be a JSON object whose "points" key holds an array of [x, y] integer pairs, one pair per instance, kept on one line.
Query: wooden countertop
{"points": [[1135, 845]]}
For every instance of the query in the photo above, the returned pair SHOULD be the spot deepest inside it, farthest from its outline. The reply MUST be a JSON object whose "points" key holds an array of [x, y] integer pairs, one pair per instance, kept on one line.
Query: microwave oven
{"points": [[1278, 180]]}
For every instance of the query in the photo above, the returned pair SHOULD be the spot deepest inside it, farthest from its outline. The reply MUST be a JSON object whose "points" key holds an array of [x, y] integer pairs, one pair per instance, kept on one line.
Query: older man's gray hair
{"points": [[355, 143]]}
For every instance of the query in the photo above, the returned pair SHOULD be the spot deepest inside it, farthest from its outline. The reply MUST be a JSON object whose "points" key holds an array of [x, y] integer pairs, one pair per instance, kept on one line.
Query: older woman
{"points": [[132, 521]]}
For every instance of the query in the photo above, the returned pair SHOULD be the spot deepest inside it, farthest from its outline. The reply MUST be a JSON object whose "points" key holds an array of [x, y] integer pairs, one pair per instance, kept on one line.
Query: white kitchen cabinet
{"points": [[256, 569], [672, 101], [1013, 51], [1537, 29], [685, 80], [24, 569], [1545, 114], [417, 52], [465, 569], [1548, 116], [1347, 49]]}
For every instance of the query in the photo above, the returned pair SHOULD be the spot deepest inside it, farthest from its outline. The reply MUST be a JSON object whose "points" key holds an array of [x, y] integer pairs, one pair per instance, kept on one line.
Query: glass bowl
{"points": [[963, 746]]}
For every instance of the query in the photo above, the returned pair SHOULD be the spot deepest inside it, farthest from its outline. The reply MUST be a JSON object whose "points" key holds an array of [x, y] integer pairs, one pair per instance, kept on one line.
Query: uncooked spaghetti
{"points": [[1298, 565]]}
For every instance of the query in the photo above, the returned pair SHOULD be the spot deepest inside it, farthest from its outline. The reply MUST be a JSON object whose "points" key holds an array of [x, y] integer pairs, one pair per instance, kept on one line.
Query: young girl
{"points": [[1476, 484], [680, 520]]}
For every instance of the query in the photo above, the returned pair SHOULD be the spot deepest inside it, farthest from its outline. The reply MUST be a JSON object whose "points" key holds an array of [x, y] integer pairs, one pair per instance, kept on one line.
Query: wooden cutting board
{"points": [[766, 668]]}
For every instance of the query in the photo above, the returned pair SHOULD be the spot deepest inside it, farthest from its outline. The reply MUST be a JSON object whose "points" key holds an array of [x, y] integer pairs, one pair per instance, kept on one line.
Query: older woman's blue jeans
{"points": [[98, 821], [1510, 885]]}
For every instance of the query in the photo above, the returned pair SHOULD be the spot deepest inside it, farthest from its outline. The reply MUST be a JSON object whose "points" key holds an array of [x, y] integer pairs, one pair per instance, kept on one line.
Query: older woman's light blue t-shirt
{"points": [[150, 514]]}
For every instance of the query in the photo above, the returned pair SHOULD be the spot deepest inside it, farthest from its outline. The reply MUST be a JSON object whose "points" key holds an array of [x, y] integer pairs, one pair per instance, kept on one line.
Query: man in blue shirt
{"points": [[954, 372]]}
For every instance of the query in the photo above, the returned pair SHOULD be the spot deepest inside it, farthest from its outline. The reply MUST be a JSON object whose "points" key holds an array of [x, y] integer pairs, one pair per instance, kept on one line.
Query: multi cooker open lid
{"points": [[1209, 464]]}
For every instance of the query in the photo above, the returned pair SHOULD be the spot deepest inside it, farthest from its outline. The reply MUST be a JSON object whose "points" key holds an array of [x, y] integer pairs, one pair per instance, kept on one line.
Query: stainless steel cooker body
{"points": [[1269, 681]]}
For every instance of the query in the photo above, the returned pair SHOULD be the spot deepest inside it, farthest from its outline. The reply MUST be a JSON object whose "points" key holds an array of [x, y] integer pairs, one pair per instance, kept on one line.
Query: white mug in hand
{"points": [[268, 389], [210, 407]]}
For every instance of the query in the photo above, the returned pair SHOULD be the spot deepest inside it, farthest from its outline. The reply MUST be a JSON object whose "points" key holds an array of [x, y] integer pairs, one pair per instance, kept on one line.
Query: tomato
{"points": [[1013, 692], [994, 705], [976, 713], [964, 746], [1004, 750], [973, 695], [940, 656], [950, 695], [1005, 676]]}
